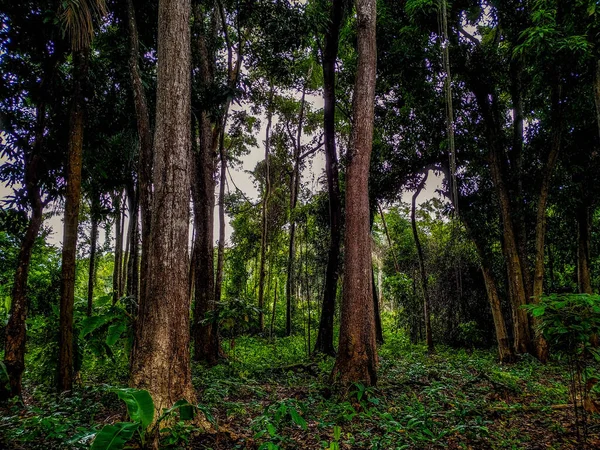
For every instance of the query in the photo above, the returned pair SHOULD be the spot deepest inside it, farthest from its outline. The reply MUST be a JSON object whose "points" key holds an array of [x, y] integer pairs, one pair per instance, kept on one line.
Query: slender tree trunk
{"points": [[203, 192], [132, 287], [378, 326], [221, 247], [387, 234], [583, 249], [16, 333], [294, 188], [597, 92], [71, 222], [541, 346], [357, 355], [92, 266], [423, 273], [144, 131], [265, 211], [161, 358], [118, 255], [324, 342]]}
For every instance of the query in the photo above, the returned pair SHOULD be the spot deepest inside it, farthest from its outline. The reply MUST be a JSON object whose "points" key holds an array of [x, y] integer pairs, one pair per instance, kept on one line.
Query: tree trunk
{"points": [[16, 332], [132, 287], [145, 139], [265, 211], [206, 347], [378, 326], [161, 358], [294, 188], [584, 281], [92, 266], [541, 346], [324, 342], [357, 355], [71, 222], [118, 255], [423, 273]]}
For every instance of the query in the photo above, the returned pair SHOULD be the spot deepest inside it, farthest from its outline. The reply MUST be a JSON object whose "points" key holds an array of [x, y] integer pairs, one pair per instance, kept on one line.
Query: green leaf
{"points": [[298, 419], [91, 324], [140, 406], [114, 333], [114, 437]]}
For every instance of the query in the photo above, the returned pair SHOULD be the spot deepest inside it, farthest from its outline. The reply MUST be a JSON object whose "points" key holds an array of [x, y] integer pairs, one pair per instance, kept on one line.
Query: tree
{"points": [[161, 359], [78, 17], [357, 353]]}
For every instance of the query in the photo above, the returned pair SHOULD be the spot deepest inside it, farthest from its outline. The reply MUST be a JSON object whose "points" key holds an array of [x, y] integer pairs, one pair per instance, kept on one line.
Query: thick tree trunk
{"points": [[206, 348], [145, 139], [118, 254], [584, 281], [357, 354], [161, 358], [423, 273], [71, 222], [92, 266], [324, 342], [265, 212]]}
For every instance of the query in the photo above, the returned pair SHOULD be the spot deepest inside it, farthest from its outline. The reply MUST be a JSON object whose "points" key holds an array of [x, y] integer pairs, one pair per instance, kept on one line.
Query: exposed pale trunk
{"points": [[324, 342], [71, 222], [161, 358], [357, 354], [144, 132], [422, 271]]}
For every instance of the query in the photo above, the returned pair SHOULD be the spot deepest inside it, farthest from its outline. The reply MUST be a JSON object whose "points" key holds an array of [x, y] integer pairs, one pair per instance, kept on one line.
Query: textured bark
{"points": [[422, 271], [357, 354], [324, 342], [584, 281], [265, 212], [144, 131], [161, 358], [118, 251], [92, 266], [541, 346], [16, 333], [206, 347], [71, 222]]}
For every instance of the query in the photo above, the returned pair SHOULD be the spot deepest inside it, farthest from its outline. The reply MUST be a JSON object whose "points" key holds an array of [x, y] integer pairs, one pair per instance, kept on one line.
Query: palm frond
{"points": [[77, 18]]}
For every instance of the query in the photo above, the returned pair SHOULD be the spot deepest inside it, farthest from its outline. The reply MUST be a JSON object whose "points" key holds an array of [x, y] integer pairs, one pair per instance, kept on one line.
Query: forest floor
{"points": [[268, 395]]}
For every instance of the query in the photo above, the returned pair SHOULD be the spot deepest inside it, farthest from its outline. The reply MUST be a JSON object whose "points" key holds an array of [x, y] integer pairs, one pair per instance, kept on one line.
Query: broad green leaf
{"points": [[298, 419], [140, 406], [91, 324], [114, 333], [114, 437]]}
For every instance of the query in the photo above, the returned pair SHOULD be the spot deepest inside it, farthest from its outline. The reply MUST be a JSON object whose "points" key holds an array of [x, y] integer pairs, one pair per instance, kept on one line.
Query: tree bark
{"points": [[71, 222], [92, 265], [423, 273], [161, 358], [144, 132], [118, 254], [324, 342], [294, 188], [265, 212], [16, 332], [206, 347], [584, 281], [357, 355]]}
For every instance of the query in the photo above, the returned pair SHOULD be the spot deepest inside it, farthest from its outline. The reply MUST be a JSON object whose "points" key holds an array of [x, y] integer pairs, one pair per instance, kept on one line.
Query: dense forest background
{"points": [[416, 265]]}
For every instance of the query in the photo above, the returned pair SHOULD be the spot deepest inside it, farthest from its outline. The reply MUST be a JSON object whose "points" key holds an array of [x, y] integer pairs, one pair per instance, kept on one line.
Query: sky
{"points": [[311, 174]]}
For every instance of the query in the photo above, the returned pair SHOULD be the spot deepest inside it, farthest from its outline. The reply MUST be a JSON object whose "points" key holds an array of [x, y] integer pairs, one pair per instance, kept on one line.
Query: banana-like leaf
{"points": [[114, 333], [91, 324], [114, 437], [139, 405]]}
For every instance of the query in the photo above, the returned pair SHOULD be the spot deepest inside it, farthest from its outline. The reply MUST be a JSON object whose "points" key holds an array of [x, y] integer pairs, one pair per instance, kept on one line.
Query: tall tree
{"points": [[357, 353], [324, 342], [78, 17], [161, 358]]}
